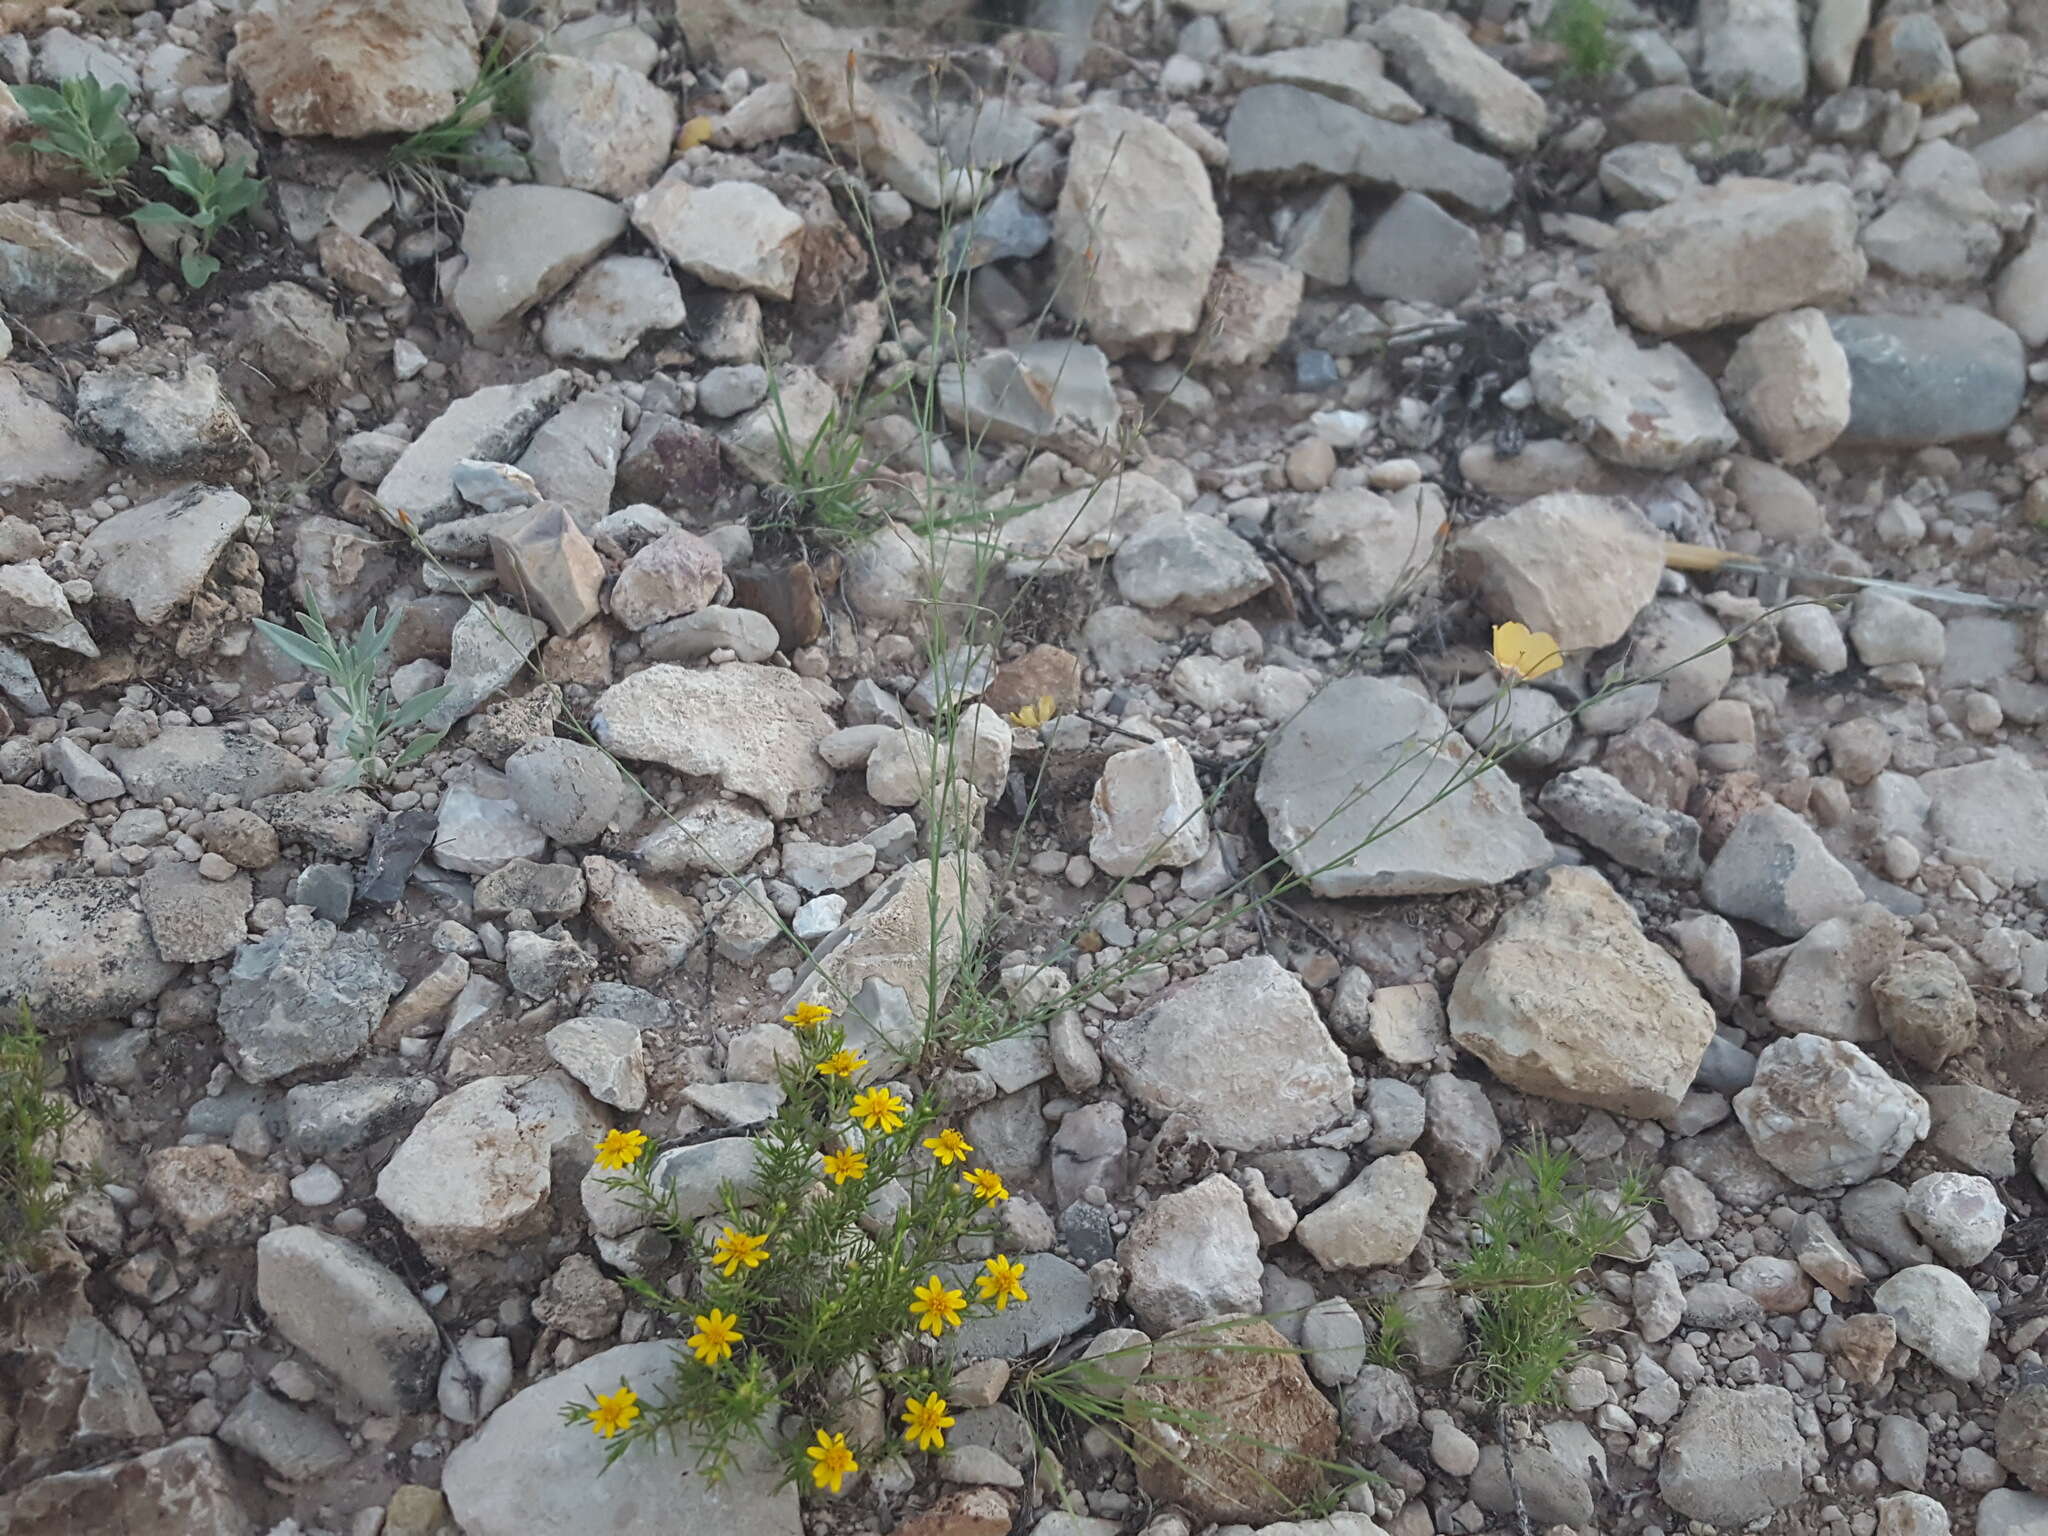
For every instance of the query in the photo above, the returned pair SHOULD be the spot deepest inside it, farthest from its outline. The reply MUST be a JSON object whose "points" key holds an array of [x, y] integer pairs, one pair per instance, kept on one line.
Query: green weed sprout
{"points": [[218, 199], [1581, 28], [833, 1278], [31, 1120], [350, 667], [81, 121], [1537, 1233], [498, 93]]}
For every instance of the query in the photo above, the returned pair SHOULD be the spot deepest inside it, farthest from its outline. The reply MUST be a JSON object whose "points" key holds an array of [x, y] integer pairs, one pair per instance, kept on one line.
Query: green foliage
{"points": [[498, 94], [31, 1120], [80, 121], [219, 197], [1581, 27], [350, 667], [1390, 1339], [826, 1311], [1538, 1231]]}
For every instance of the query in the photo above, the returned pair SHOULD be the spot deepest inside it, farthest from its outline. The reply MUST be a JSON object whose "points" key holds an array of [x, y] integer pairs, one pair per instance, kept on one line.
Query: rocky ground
{"points": [[1303, 339]]}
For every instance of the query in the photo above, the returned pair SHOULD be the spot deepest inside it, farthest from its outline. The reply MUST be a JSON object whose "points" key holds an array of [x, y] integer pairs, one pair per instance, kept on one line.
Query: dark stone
{"points": [[671, 464], [329, 889], [788, 595], [1086, 1231], [398, 845], [1934, 378]]}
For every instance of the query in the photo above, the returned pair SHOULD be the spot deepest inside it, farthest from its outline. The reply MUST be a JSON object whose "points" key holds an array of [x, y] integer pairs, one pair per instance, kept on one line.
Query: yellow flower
{"points": [[694, 132], [937, 1307], [716, 1334], [807, 1015], [987, 1183], [927, 1422], [616, 1410], [845, 1164], [949, 1147], [1032, 716], [1004, 1282], [831, 1461], [878, 1109], [841, 1064], [738, 1250], [1524, 653], [620, 1149]]}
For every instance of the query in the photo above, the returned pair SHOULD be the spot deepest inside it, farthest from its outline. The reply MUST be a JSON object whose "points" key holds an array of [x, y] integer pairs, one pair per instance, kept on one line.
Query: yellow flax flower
{"points": [[986, 1183], [716, 1334], [1525, 653], [616, 1410], [878, 1109], [620, 1149], [831, 1461], [1032, 716], [807, 1015], [845, 1164], [841, 1064], [949, 1147], [737, 1250], [937, 1307], [926, 1422], [1004, 1282]]}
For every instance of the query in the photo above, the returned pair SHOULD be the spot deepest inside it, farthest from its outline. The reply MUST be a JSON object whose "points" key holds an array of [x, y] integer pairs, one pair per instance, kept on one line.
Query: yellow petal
{"points": [[696, 131]]}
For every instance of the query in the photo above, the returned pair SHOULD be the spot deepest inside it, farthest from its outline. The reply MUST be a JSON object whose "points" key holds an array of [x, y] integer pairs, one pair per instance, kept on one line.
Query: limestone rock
{"points": [[1939, 1317], [1241, 1051], [597, 126], [1450, 73], [1578, 568], [351, 1316], [154, 558], [77, 951], [186, 1488], [1789, 382], [1734, 1456], [755, 729], [353, 68], [1824, 1114], [1130, 277], [1567, 999], [1646, 408], [50, 257], [1191, 1257], [524, 244], [1743, 249], [1375, 1220], [492, 424], [1774, 870], [1148, 811], [732, 234]]}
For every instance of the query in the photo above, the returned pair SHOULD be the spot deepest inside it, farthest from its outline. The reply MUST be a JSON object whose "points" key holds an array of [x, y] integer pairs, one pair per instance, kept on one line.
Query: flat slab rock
{"points": [[77, 951], [755, 729], [1357, 793], [524, 1474]]}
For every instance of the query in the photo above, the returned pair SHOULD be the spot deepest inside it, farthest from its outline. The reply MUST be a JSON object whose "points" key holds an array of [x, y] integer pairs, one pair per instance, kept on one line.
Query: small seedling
{"points": [[218, 199], [497, 94], [1538, 1232], [81, 121], [31, 1120], [350, 667], [1581, 28]]}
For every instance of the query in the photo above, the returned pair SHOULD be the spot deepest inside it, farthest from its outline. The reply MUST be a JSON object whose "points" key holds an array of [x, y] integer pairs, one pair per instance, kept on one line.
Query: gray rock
{"points": [[193, 1475], [1645, 175], [1824, 1114], [294, 336], [596, 125], [77, 951], [606, 311], [1344, 69], [1992, 813], [1752, 50], [606, 1056], [1774, 870], [1148, 811], [1463, 1136], [160, 423], [715, 835], [1972, 1127], [1190, 564], [1552, 1489], [1933, 378], [1418, 252], [1450, 73], [1596, 808], [570, 790], [522, 1475], [153, 558], [1381, 1402], [1192, 1256], [186, 763], [1281, 133], [1062, 1304], [749, 635], [37, 445], [1052, 392], [697, 1176], [1886, 628], [350, 1316], [1734, 1456], [574, 455], [1241, 1051], [1789, 382], [1349, 804], [333, 1119], [294, 1444], [480, 828], [1960, 1215], [1938, 1317], [476, 1378], [192, 918], [50, 258], [492, 424], [1366, 548], [1646, 409], [1398, 1115], [304, 995], [1824, 984], [732, 234]]}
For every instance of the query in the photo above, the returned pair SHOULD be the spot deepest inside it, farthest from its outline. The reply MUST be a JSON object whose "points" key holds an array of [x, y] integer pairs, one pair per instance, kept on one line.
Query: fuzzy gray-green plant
{"points": [[350, 667], [31, 1120], [81, 121]]}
